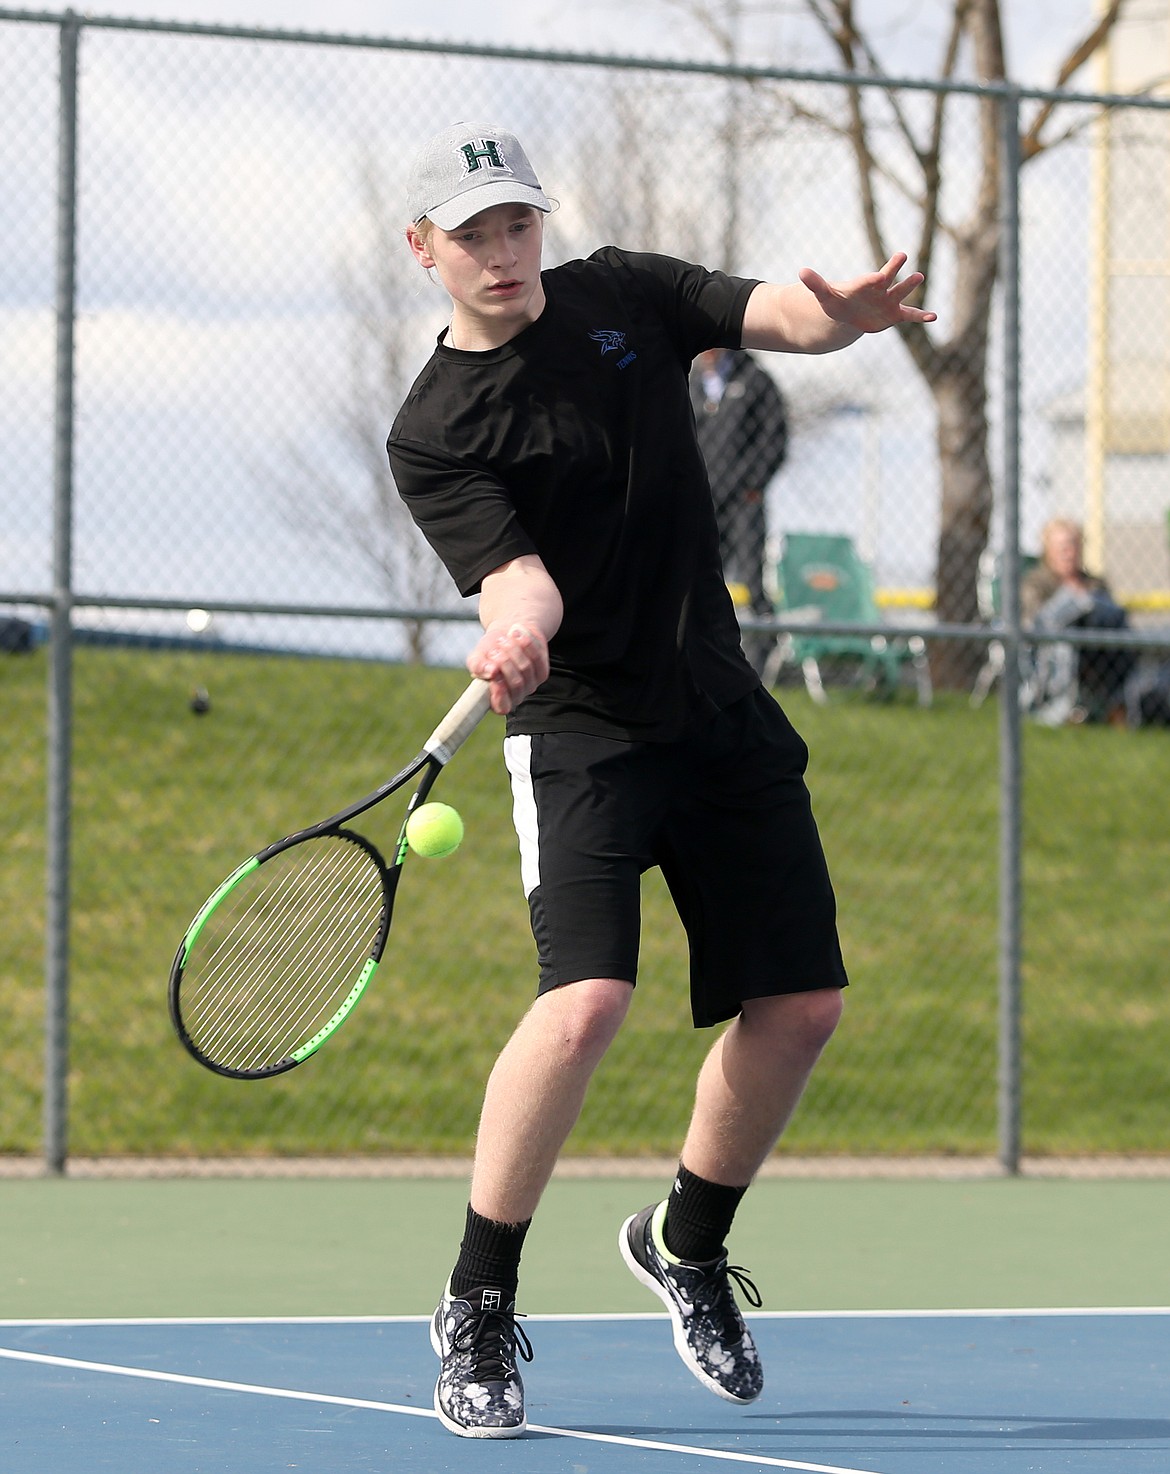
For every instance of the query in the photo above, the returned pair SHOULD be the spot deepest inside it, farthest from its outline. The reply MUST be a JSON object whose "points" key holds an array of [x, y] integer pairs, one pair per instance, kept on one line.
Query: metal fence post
{"points": [[60, 669], [1010, 735]]}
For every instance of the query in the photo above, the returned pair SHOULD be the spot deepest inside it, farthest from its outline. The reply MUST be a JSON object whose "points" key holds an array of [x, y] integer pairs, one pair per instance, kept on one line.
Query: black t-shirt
{"points": [[576, 441]]}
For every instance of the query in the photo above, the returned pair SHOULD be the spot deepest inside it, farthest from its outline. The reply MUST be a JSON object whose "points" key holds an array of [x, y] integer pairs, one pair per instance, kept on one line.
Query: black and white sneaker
{"points": [[479, 1393], [709, 1332]]}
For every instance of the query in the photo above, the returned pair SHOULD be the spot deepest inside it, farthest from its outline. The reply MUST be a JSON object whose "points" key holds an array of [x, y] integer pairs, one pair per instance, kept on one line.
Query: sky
{"points": [[215, 199], [1039, 32]]}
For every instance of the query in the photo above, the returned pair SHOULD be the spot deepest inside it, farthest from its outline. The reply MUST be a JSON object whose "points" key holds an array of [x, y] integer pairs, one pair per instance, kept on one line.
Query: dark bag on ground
{"points": [[16, 636], [1148, 696]]}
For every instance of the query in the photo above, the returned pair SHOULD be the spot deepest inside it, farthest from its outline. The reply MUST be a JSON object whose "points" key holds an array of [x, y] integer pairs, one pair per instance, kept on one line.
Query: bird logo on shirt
{"points": [[611, 340]]}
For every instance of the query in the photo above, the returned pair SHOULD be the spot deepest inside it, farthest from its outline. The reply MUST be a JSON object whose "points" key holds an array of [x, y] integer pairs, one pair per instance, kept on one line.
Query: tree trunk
{"points": [[416, 641], [965, 519]]}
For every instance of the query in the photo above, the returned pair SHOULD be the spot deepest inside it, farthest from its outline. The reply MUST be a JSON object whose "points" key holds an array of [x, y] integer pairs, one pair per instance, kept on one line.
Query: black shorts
{"points": [[726, 815]]}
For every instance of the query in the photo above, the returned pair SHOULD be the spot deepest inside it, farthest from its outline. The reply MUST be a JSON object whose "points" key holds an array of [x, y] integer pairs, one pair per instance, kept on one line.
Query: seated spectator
{"points": [[1073, 683]]}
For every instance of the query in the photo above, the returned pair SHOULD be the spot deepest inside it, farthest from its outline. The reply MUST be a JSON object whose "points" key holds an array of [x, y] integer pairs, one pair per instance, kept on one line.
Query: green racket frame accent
{"points": [[212, 902], [342, 1013]]}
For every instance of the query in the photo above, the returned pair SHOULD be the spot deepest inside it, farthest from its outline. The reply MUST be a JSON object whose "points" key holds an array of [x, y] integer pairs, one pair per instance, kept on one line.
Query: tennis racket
{"points": [[277, 958]]}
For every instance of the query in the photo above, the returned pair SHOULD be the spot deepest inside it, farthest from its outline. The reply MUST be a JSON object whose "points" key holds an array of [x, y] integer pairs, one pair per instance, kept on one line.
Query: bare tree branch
{"points": [[343, 495], [1031, 143], [955, 369]]}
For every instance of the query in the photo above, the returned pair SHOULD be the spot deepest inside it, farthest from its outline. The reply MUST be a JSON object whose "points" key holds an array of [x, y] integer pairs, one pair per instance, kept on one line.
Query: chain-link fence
{"points": [[200, 501]]}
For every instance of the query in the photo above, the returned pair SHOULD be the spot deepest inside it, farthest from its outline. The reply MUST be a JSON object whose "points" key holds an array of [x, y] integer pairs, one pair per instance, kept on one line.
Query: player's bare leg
{"points": [[536, 1090], [748, 1088], [533, 1098], [752, 1081]]}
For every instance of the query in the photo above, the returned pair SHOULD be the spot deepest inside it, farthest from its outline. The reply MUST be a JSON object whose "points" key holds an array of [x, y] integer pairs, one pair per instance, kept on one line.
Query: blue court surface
{"points": [[873, 1393]]}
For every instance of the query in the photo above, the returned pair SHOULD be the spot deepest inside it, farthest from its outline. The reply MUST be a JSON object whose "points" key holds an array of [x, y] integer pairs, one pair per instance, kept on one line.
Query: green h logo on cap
{"points": [[488, 150]]}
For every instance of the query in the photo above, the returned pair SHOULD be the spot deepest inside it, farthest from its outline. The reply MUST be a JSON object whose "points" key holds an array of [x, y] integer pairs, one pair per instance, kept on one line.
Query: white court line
{"points": [[217, 1320], [604, 1315], [215, 1384]]}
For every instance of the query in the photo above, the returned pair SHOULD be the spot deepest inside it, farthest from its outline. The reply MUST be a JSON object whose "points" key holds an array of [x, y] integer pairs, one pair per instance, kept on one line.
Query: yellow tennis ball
{"points": [[434, 830]]}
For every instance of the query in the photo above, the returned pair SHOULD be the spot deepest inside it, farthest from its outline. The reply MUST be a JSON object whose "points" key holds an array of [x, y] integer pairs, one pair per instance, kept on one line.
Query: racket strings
{"points": [[242, 974], [241, 931], [310, 943], [281, 953], [274, 1002], [292, 933], [329, 966], [294, 963]]}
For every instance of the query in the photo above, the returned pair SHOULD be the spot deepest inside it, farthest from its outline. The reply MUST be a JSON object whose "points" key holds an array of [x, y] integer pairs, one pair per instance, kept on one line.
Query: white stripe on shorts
{"points": [[518, 757]]}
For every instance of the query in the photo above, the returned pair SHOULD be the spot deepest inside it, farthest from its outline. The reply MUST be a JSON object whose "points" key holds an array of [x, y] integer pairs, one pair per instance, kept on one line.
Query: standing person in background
{"points": [[743, 434], [548, 452]]}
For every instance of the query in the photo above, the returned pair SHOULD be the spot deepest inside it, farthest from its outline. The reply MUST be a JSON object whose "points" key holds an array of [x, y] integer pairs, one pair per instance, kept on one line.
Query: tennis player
{"points": [[548, 453]]}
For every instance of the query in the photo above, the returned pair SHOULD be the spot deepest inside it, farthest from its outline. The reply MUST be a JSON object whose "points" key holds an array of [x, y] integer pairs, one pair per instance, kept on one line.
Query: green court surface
{"points": [[96, 1248]]}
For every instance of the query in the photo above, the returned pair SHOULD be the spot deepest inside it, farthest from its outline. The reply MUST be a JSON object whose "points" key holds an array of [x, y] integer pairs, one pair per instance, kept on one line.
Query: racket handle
{"points": [[459, 723]]}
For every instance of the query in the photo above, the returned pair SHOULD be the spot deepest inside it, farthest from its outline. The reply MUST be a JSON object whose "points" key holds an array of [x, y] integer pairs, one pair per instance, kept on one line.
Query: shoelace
{"points": [[716, 1296], [491, 1336]]}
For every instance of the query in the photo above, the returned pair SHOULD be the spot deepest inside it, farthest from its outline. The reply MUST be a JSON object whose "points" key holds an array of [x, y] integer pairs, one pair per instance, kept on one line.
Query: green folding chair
{"points": [[988, 586], [821, 579]]}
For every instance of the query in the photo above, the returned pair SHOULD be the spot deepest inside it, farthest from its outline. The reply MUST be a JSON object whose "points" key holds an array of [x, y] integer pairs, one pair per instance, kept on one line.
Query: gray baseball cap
{"points": [[468, 168]]}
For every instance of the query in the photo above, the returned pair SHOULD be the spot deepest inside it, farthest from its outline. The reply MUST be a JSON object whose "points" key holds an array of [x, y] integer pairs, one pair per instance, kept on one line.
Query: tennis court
{"points": [[856, 1394], [962, 1325]]}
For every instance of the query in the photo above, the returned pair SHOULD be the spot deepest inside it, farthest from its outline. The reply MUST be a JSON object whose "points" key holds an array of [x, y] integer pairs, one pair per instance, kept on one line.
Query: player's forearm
{"points": [[789, 319], [818, 316], [520, 609], [521, 592]]}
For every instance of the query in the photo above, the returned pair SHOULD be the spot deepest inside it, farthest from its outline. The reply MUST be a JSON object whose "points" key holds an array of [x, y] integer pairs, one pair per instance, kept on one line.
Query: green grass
{"points": [[165, 803]]}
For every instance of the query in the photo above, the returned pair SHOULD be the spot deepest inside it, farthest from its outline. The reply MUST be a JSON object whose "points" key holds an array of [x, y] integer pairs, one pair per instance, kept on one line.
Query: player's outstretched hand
{"points": [[513, 659], [873, 302]]}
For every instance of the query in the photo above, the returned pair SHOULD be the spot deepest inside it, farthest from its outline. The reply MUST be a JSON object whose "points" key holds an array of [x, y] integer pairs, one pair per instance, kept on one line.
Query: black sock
{"points": [[488, 1255], [698, 1216]]}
